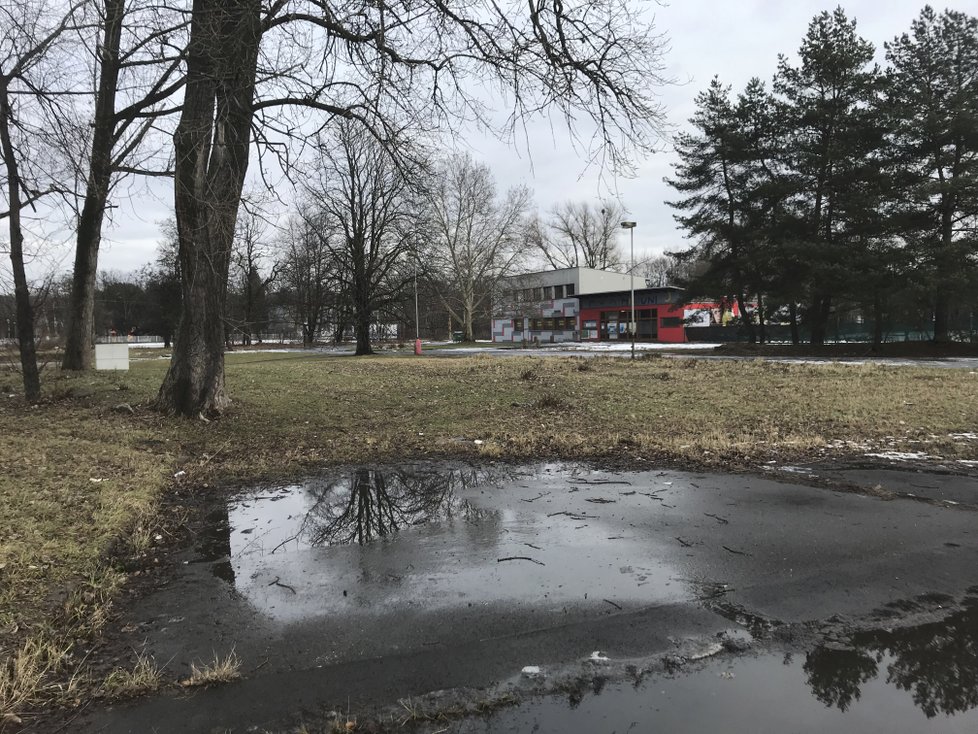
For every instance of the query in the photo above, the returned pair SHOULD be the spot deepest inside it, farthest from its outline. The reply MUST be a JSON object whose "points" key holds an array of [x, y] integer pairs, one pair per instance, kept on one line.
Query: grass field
{"points": [[82, 478]]}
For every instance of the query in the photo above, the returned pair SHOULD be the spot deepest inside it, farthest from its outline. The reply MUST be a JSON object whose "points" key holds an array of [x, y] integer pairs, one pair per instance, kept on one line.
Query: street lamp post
{"points": [[633, 326], [417, 313]]}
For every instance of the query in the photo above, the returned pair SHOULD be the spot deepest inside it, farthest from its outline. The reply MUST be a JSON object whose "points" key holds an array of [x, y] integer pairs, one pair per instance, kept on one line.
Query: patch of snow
{"points": [[598, 657], [968, 462], [794, 469], [639, 346], [707, 652], [963, 436], [901, 455], [531, 671]]}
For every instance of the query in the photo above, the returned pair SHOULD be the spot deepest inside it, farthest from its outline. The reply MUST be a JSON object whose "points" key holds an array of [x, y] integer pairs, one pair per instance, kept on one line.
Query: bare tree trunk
{"points": [[362, 328], [22, 296], [211, 144], [468, 316], [80, 325]]}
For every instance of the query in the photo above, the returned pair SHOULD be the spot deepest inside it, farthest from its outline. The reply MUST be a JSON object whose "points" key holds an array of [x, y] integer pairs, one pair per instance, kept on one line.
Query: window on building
{"points": [[671, 322], [517, 323], [558, 291], [569, 289], [538, 294], [570, 323]]}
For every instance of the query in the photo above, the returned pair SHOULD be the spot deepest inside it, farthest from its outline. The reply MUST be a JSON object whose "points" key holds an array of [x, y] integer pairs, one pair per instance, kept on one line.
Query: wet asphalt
{"points": [[356, 589]]}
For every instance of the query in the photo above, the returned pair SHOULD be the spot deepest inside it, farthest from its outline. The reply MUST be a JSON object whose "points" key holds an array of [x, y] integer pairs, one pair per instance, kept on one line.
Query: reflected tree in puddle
{"points": [[835, 675], [370, 503], [936, 663]]}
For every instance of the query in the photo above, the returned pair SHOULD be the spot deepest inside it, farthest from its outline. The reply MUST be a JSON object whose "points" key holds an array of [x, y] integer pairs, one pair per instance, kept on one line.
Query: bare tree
{"points": [[31, 85], [477, 238], [379, 64], [308, 274], [211, 145], [369, 201], [583, 235], [665, 269], [252, 281], [137, 57]]}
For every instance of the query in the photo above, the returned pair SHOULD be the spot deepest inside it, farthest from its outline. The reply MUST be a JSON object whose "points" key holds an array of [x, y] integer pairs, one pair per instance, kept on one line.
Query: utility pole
{"points": [[633, 326]]}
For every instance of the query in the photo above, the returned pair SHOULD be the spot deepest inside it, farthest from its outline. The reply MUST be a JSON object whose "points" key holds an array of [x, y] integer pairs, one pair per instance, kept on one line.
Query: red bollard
{"points": [[417, 347]]}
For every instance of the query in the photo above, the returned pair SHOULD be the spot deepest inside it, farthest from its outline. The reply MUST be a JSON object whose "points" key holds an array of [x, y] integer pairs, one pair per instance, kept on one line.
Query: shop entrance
{"points": [[614, 324]]}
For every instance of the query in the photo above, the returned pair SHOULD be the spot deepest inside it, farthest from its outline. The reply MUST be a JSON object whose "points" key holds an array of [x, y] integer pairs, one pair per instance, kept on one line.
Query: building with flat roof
{"points": [[576, 304], [659, 314], [542, 307]]}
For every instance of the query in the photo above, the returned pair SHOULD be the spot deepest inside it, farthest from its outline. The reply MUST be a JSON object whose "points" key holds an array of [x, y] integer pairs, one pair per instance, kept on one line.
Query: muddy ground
{"points": [[820, 596]]}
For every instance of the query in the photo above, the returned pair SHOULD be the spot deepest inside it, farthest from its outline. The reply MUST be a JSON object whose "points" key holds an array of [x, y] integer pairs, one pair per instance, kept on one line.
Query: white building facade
{"points": [[543, 307]]}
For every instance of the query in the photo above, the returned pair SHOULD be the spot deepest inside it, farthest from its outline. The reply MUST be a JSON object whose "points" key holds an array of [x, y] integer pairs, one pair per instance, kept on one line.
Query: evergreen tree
{"points": [[830, 102], [933, 101], [715, 206]]}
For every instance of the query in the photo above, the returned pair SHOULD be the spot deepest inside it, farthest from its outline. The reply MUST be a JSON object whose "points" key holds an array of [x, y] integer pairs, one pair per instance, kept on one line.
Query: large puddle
{"points": [[371, 584], [380, 539]]}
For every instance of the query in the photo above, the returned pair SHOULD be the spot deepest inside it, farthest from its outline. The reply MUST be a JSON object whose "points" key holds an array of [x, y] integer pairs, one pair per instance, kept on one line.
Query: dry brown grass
{"points": [[145, 676], [218, 670], [77, 476]]}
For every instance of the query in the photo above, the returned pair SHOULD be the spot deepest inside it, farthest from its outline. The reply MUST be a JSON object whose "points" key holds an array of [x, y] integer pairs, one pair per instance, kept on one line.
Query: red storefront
{"points": [[658, 315]]}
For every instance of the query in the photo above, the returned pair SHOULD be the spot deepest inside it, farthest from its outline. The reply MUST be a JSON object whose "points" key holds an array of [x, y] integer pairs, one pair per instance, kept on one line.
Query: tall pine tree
{"points": [[829, 100], [718, 206], [933, 101]]}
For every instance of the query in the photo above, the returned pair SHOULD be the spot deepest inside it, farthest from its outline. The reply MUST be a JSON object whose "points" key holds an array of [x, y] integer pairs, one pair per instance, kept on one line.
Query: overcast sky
{"points": [[735, 40]]}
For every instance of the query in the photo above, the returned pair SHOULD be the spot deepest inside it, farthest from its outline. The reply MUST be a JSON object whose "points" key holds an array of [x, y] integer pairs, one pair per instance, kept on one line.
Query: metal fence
{"points": [[843, 333]]}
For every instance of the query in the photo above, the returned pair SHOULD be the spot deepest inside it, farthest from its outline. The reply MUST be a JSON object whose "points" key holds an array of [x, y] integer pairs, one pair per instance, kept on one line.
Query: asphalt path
{"points": [[538, 565]]}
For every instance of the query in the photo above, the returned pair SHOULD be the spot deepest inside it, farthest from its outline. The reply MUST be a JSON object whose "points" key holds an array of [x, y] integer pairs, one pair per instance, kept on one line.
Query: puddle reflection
{"points": [[370, 503], [430, 537], [936, 663], [859, 688]]}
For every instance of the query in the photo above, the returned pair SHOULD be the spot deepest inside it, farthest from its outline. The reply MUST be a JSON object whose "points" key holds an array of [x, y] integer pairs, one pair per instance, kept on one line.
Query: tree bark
{"points": [[761, 331], [22, 295], [746, 319], [877, 320], [80, 327], [945, 269], [942, 332], [820, 319], [469, 316], [211, 144], [362, 328]]}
